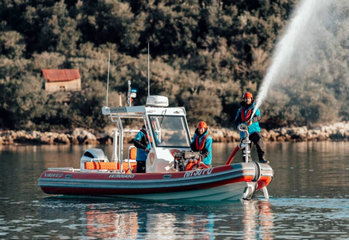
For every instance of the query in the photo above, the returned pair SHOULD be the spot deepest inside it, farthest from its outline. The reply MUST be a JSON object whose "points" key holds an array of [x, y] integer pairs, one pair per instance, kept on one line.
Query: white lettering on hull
{"points": [[53, 175], [121, 176], [205, 171]]}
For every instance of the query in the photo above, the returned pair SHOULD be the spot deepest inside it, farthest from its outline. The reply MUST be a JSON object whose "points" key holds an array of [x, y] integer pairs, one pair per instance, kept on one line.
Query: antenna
{"points": [[148, 72], [106, 100], [129, 101]]}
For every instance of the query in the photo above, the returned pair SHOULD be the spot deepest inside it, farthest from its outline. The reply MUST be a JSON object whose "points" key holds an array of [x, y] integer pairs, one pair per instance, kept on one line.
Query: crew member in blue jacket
{"points": [[142, 143], [243, 115], [202, 142]]}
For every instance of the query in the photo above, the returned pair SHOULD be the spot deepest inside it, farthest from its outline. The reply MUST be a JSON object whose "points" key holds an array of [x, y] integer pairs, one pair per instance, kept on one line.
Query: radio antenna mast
{"points": [[106, 100], [148, 72]]}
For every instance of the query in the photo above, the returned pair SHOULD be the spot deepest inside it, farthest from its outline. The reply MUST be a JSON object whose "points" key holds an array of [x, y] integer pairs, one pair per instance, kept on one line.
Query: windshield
{"points": [[170, 131]]}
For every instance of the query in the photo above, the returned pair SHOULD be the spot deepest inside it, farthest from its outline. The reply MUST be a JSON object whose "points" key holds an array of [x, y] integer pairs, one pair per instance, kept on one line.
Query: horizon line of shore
{"points": [[332, 132]]}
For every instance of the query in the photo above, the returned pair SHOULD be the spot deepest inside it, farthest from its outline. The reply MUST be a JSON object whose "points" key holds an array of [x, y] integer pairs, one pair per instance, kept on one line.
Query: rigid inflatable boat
{"points": [[164, 178]]}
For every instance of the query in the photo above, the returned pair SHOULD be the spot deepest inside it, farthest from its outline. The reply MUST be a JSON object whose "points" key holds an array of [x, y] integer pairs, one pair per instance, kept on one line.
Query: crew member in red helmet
{"points": [[202, 142], [243, 115]]}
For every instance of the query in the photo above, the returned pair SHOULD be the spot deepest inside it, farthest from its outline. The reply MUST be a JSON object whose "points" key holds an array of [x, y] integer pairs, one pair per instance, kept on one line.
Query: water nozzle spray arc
{"points": [[286, 46]]}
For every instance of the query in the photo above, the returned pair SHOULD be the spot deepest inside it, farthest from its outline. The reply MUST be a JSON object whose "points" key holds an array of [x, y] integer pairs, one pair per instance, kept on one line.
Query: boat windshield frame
{"points": [[159, 123]]}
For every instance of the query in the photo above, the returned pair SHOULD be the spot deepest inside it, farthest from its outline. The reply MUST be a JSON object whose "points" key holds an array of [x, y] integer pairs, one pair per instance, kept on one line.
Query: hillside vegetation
{"points": [[204, 55]]}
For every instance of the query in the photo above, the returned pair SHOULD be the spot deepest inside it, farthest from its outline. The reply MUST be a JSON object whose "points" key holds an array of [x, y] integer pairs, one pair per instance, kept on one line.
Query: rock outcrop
{"points": [[333, 132]]}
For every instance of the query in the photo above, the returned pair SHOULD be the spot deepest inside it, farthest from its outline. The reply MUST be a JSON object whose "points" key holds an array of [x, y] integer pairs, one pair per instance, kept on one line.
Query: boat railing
{"points": [[118, 144], [132, 154], [96, 160], [70, 169]]}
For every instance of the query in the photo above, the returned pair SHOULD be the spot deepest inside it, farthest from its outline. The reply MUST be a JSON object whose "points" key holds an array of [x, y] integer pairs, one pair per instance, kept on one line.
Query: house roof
{"points": [[60, 75]]}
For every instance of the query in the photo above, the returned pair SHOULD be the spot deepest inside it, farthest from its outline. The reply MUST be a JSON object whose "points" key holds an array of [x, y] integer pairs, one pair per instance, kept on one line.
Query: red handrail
{"points": [[231, 157]]}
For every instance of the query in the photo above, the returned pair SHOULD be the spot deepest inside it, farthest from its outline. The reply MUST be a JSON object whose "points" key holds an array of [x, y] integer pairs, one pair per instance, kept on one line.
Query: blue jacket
{"points": [[142, 143], [254, 127], [207, 150]]}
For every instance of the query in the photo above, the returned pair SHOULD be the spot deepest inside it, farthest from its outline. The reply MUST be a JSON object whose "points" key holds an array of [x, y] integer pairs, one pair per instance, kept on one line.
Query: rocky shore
{"points": [[333, 132]]}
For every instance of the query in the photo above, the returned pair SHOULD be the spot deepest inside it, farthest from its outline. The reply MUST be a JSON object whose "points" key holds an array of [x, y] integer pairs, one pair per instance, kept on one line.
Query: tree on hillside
{"points": [[11, 44], [202, 105], [59, 31], [201, 51], [111, 21]]}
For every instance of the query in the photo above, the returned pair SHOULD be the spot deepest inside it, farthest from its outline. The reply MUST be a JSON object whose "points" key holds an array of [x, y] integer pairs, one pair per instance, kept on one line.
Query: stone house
{"points": [[62, 80]]}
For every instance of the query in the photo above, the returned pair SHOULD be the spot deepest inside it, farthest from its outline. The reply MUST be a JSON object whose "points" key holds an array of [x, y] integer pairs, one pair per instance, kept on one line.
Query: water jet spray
{"points": [[286, 47]]}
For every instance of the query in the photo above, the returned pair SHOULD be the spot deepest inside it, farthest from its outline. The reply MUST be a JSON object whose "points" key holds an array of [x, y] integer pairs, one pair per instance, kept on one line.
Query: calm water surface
{"points": [[309, 199]]}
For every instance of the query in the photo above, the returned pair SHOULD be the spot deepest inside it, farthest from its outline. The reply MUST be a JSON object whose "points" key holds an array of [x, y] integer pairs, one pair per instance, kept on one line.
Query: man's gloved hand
{"points": [[255, 119], [248, 123]]}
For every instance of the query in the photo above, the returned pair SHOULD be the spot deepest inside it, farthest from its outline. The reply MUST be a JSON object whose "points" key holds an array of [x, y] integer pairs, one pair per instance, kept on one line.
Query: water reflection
{"points": [[152, 220], [147, 225], [109, 224], [258, 220]]}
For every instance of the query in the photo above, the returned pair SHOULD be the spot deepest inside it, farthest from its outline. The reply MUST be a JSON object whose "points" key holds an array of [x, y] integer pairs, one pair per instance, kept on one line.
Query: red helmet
{"points": [[202, 124], [248, 95]]}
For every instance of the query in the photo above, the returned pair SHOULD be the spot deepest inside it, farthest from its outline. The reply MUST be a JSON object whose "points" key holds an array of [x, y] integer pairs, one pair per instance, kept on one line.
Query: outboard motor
{"points": [[182, 159]]}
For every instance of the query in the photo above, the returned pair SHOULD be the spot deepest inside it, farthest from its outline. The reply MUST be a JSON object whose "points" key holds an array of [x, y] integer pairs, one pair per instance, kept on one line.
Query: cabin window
{"points": [[170, 131]]}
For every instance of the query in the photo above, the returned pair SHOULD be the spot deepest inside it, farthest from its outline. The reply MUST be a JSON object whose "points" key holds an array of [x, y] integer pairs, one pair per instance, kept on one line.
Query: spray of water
{"points": [[287, 45]]}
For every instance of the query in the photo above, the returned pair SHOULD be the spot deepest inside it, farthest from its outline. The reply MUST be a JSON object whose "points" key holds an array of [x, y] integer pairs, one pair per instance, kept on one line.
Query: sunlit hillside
{"points": [[204, 55]]}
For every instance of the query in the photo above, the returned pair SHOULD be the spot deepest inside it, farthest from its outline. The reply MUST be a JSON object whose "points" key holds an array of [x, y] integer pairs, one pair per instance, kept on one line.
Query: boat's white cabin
{"points": [[166, 126]]}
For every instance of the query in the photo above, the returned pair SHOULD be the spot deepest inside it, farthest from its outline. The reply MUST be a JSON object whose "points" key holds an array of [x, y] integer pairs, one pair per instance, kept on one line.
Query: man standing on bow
{"points": [[243, 115]]}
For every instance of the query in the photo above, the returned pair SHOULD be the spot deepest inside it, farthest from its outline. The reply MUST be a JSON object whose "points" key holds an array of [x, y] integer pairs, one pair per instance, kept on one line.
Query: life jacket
{"points": [[254, 127], [148, 138], [246, 117], [200, 146], [195, 163]]}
